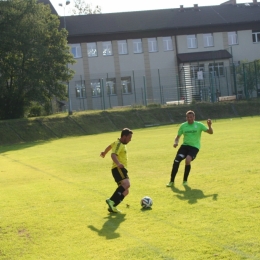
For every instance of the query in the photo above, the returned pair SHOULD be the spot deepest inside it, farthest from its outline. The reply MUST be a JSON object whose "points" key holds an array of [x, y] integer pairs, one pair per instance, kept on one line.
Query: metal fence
{"points": [[190, 83], [248, 79]]}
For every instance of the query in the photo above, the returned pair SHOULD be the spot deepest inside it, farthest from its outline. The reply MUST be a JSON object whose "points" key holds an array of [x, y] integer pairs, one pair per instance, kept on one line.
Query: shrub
{"points": [[35, 110], [154, 105]]}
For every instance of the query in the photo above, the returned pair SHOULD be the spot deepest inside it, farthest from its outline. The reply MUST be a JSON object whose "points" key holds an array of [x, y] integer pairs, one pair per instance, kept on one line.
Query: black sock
{"points": [[186, 172], [118, 195], [121, 199], [175, 168]]}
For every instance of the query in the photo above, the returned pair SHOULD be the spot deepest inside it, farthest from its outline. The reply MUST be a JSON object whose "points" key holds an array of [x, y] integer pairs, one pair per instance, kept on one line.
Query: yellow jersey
{"points": [[120, 150]]}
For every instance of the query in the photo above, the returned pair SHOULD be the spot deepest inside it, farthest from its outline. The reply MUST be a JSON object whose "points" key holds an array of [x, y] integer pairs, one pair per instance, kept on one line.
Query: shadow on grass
{"points": [[146, 209], [192, 195], [20, 146], [109, 228]]}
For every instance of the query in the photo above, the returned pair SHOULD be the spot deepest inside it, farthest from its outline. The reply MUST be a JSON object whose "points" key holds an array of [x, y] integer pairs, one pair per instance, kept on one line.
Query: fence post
{"points": [[256, 83], [160, 87], [226, 76], [109, 94], [145, 100], [134, 85], [212, 90], [103, 94], [235, 79], [178, 86], [142, 96], [122, 97], [101, 102], [163, 101], [245, 83]]}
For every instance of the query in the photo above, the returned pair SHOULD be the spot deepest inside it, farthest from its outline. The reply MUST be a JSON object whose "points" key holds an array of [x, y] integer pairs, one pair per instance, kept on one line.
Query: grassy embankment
{"points": [[94, 122]]}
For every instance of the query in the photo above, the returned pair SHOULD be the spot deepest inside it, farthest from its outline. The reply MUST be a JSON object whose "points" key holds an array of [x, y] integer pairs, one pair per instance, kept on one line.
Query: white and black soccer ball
{"points": [[146, 202]]}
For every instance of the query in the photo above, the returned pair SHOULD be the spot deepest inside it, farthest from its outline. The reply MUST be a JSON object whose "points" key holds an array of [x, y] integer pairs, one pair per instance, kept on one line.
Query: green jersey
{"points": [[120, 150], [192, 133]]}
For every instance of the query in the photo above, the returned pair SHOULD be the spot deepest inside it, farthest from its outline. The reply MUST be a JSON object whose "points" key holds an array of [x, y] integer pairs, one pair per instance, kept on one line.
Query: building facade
{"points": [[160, 56]]}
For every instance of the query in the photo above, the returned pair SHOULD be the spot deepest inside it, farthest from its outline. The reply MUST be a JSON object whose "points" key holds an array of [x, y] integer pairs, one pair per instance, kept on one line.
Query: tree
{"points": [[33, 57], [81, 8]]}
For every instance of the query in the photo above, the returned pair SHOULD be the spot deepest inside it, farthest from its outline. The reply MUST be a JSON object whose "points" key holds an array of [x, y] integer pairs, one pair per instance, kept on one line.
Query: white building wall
{"points": [[131, 61], [217, 43], [246, 49], [101, 65], [78, 67], [161, 64]]}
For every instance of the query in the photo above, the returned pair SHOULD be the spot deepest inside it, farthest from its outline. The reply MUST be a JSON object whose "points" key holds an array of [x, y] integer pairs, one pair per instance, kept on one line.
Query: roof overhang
{"points": [[203, 56]]}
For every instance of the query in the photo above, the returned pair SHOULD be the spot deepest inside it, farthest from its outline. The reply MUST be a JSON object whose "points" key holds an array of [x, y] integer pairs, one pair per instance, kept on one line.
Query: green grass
{"points": [[53, 198]]}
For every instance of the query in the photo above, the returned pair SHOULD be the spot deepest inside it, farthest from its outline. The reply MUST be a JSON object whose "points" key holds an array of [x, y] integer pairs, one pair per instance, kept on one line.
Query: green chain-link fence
{"points": [[190, 83]]}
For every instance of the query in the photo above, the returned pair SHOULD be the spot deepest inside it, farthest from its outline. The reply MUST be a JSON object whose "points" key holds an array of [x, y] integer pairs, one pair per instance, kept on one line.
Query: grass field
{"points": [[53, 198]]}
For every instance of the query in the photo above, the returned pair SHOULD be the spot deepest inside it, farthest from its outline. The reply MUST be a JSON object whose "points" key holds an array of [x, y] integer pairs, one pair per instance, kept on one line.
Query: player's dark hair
{"points": [[126, 132], [190, 112]]}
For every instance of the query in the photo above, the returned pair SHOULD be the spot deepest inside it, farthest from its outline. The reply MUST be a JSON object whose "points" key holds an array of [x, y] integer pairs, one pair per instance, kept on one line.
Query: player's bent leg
{"points": [[179, 157], [188, 160], [120, 176], [112, 206], [187, 169], [125, 183], [121, 192], [126, 192]]}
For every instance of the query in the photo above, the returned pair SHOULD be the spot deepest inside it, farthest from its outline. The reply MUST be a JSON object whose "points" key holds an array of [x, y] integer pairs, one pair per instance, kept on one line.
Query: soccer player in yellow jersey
{"points": [[119, 168], [191, 130]]}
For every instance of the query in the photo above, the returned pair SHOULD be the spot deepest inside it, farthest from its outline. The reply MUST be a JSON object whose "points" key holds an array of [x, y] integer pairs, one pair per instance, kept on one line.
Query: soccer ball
{"points": [[146, 202]]}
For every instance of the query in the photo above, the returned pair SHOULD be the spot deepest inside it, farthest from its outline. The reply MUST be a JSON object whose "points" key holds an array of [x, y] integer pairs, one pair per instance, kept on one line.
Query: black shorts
{"points": [[119, 174], [188, 150]]}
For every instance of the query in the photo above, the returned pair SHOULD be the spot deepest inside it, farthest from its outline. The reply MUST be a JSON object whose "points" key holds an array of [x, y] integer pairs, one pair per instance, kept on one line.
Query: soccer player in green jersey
{"points": [[119, 168], [191, 130]]}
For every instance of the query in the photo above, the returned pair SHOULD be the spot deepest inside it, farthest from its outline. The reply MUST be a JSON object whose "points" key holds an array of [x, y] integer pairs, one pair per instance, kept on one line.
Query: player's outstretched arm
{"points": [[176, 141], [210, 130], [103, 154]]}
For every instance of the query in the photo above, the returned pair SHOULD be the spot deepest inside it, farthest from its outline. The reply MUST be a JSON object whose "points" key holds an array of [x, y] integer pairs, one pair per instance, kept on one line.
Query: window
{"points": [[76, 50], [107, 48], [126, 85], [122, 47], [195, 69], [167, 44], [232, 38], [152, 45], [192, 41], [111, 86], [92, 49], [80, 89], [256, 36], [208, 39], [96, 87], [216, 69], [137, 46]]}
